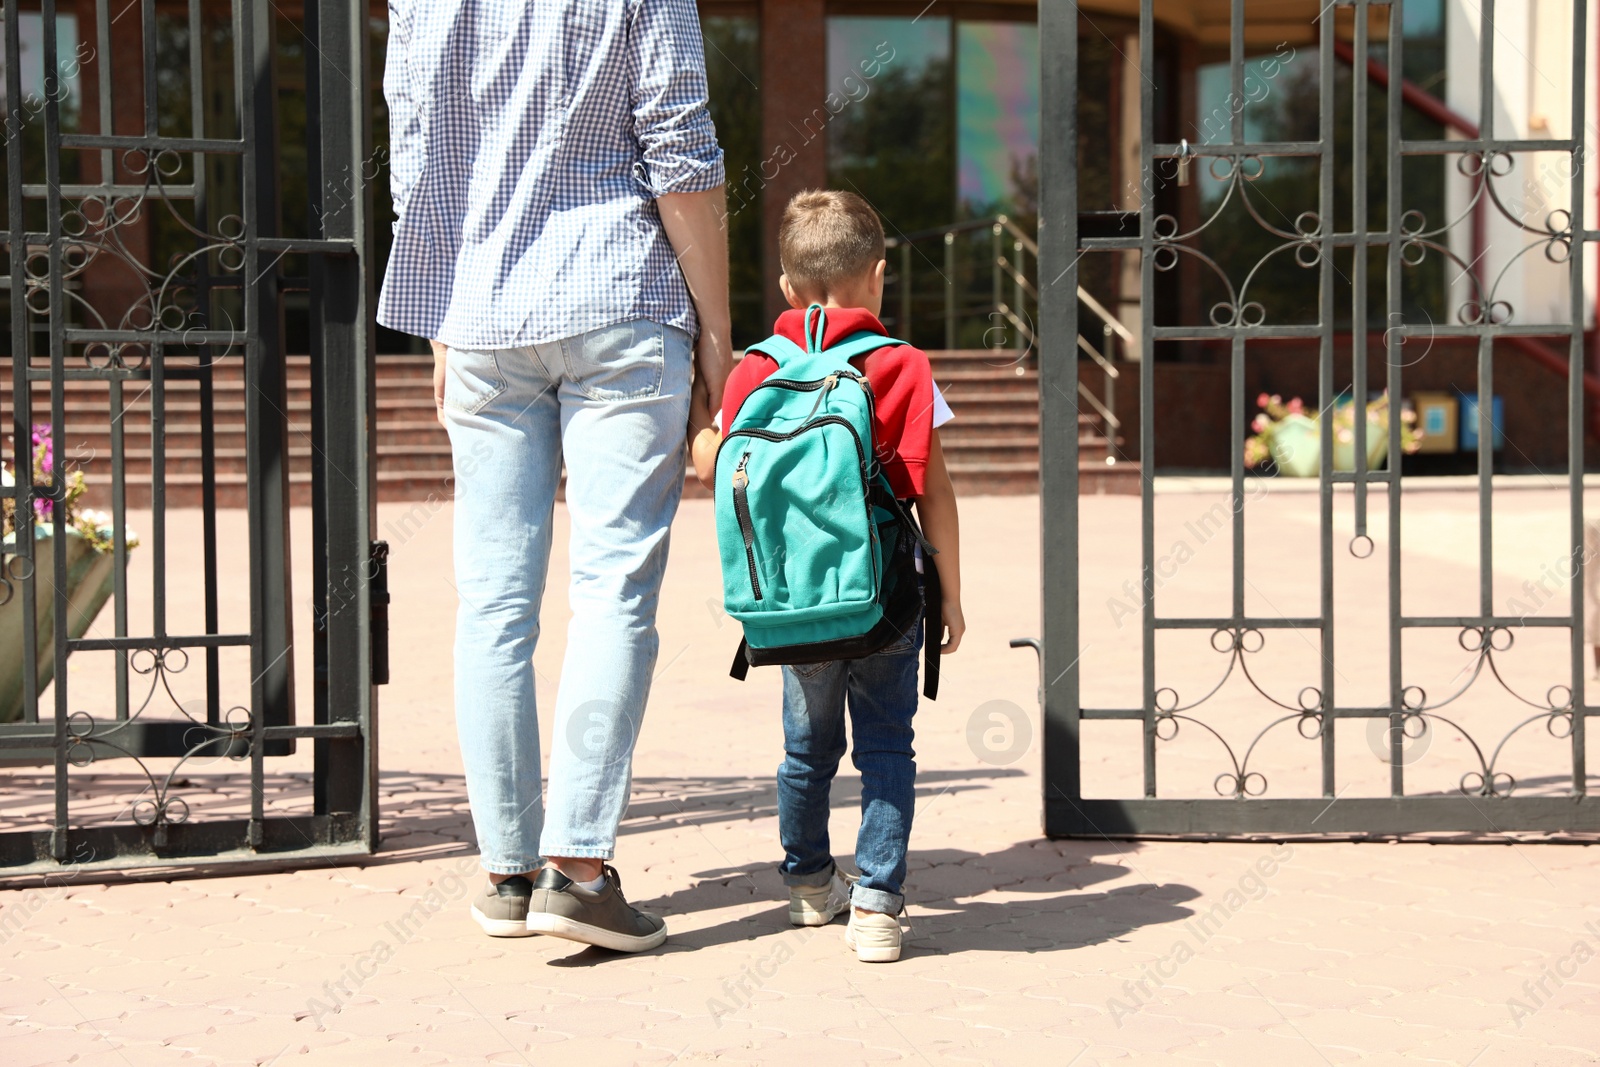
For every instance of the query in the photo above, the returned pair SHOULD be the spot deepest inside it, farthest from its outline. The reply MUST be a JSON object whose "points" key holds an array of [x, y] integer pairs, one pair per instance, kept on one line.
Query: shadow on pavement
{"points": [[949, 901], [665, 802]]}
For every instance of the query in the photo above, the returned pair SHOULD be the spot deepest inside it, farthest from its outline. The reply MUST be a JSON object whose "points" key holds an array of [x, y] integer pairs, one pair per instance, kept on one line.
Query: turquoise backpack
{"points": [[818, 556]]}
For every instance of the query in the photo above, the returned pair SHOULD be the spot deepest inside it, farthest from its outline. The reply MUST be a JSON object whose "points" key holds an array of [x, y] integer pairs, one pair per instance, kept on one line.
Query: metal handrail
{"points": [[1113, 424], [1011, 265], [1094, 354], [1106, 318], [1005, 224]]}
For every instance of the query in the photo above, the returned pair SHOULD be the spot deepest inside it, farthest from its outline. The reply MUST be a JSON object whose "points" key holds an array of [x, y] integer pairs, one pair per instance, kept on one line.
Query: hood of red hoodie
{"points": [[842, 322]]}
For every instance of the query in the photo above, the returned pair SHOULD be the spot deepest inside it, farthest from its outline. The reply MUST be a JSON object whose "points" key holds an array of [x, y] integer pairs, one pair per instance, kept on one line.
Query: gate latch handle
{"points": [[1038, 652]]}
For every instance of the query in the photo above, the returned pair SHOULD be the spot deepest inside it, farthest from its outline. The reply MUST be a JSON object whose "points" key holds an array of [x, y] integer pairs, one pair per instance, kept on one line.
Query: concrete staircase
{"points": [[991, 447], [413, 451]]}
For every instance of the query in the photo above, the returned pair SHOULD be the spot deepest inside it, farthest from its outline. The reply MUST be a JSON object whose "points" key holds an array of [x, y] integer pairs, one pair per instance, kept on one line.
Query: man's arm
{"points": [[681, 166], [936, 507], [697, 226]]}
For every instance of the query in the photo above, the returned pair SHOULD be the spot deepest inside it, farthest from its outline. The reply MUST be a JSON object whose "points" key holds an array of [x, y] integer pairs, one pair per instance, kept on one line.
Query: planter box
{"points": [[1297, 446], [90, 574]]}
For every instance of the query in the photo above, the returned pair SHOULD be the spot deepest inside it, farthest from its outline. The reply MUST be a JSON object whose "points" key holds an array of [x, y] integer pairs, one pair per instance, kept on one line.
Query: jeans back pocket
{"points": [[621, 362], [472, 379]]}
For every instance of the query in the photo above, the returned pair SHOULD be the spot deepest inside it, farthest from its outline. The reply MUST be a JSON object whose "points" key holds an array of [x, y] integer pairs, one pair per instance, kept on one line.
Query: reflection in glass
{"points": [[889, 135], [997, 117]]}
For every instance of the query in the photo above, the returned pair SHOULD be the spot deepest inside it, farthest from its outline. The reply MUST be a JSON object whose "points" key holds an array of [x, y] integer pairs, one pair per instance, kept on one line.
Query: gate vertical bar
{"points": [[1147, 388], [1059, 683], [58, 417], [342, 302], [1393, 342], [318, 203], [267, 462], [1326, 177], [1236, 414], [21, 569], [1486, 132], [1576, 408], [207, 360], [1358, 267]]}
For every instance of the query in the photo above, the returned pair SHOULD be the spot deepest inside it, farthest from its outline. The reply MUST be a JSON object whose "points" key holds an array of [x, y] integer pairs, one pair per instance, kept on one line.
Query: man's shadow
{"points": [[944, 905]]}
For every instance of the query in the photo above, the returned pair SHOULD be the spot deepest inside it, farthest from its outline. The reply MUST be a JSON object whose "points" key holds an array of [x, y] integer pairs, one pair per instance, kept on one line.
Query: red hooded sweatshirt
{"points": [[902, 391]]}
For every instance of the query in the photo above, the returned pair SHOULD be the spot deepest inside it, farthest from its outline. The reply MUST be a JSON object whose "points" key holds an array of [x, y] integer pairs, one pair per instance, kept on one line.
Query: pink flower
{"points": [[1296, 406], [1261, 423], [1263, 400]]}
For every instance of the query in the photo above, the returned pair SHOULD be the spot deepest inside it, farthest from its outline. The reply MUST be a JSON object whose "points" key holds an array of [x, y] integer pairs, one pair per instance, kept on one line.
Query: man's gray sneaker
{"points": [[563, 908], [502, 910]]}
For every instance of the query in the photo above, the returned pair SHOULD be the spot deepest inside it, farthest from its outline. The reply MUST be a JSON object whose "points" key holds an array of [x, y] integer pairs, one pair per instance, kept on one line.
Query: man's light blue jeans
{"points": [[614, 403]]}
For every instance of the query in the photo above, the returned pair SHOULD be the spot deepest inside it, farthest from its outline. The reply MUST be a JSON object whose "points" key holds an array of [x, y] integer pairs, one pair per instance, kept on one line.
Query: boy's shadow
{"points": [[943, 918]]}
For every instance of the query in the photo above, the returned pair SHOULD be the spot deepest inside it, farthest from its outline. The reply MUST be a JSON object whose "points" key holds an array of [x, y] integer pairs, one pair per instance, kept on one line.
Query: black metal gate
{"points": [[1335, 235], [147, 282]]}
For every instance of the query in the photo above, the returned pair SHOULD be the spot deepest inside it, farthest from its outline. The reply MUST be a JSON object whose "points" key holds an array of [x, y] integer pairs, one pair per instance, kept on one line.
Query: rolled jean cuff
{"points": [[577, 852], [817, 878], [512, 868], [877, 900]]}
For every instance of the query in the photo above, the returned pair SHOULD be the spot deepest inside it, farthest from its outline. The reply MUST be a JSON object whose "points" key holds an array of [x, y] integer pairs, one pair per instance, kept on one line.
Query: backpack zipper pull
{"points": [[741, 511], [828, 385]]}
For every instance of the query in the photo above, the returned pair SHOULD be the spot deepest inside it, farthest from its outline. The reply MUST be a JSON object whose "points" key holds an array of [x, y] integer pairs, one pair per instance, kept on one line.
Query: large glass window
{"points": [[733, 78], [945, 127], [997, 117], [935, 120], [891, 136]]}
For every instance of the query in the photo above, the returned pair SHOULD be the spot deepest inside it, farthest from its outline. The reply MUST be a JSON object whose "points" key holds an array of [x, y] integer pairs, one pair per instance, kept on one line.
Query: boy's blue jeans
{"points": [[881, 692], [613, 402]]}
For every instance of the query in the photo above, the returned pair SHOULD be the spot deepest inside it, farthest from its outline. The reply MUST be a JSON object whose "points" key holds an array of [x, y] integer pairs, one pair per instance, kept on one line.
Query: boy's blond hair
{"points": [[827, 239]]}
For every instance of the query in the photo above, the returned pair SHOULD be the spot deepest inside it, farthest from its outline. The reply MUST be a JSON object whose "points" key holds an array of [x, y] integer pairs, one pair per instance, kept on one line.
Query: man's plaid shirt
{"points": [[528, 142]]}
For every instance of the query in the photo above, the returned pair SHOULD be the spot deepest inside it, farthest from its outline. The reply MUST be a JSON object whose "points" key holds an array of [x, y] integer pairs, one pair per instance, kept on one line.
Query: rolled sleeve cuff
{"points": [[916, 476], [671, 172]]}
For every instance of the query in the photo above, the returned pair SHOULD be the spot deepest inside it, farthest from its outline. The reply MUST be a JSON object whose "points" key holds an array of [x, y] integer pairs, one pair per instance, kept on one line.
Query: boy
{"points": [[831, 248]]}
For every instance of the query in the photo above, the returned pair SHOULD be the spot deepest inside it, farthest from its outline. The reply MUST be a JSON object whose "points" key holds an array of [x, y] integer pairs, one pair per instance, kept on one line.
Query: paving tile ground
{"points": [[1021, 949]]}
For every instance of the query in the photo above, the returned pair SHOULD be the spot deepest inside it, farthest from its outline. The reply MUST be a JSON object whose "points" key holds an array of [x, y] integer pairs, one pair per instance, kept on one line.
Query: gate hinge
{"points": [[378, 592]]}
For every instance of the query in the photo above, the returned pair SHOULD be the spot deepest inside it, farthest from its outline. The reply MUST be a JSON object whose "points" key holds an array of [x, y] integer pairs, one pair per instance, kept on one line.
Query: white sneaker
{"points": [[874, 936], [818, 905]]}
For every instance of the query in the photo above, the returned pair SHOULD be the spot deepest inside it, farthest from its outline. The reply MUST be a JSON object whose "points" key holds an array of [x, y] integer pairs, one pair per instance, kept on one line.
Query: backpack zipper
{"points": [[741, 511]]}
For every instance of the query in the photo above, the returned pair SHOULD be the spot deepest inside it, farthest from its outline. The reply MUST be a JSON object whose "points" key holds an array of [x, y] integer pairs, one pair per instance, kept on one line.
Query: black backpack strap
{"points": [[933, 628], [741, 661]]}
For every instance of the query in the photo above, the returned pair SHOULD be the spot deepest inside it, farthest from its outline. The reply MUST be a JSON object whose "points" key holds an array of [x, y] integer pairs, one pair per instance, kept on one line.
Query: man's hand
{"points": [[703, 437], [713, 362], [438, 382]]}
